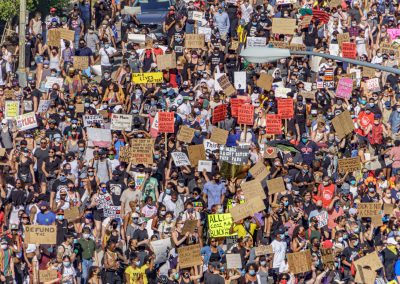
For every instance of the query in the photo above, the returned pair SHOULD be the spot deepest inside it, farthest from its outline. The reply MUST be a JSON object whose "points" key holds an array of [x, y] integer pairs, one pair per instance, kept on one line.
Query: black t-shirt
{"points": [[58, 185], [215, 58], [349, 254], [52, 165], [140, 235], [116, 189], [41, 155], [62, 230], [18, 197], [211, 278]]}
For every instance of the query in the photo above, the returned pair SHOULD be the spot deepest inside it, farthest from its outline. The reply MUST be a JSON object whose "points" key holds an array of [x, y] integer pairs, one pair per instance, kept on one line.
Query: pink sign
{"points": [[394, 33], [344, 88]]}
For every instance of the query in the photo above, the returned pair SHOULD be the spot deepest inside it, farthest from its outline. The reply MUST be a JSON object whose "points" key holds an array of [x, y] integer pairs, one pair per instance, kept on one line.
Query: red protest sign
{"points": [[219, 113], [285, 108], [273, 124], [246, 114], [235, 104], [349, 50], [166, 122]]}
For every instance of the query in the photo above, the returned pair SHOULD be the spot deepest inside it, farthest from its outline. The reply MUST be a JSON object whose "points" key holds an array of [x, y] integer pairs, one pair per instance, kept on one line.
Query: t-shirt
{"points": [[104, 55], [135, 273], [214, 192], [279, 249], [45, 218]]}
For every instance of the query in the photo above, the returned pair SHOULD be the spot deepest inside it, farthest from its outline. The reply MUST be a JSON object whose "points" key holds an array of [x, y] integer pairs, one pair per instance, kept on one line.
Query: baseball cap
{"points": [[60, 212], [53, 9], [141, 220]]}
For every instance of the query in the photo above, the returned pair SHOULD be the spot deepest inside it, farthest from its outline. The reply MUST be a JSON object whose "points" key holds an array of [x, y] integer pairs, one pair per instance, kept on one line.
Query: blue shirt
{"points": [[397, 268], [222, 22], [214, 192], [45, 218]]}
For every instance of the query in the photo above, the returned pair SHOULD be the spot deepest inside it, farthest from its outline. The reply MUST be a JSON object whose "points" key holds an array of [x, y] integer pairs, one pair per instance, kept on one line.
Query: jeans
{"points": [[113, 278], [86, 264]]}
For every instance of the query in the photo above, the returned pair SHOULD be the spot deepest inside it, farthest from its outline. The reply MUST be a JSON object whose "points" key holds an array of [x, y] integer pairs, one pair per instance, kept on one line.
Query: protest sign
{"points": [[253, 188], [210, 147], [194, 40], [370, 261], [166, 122], [189, 226], [149, 77], [50, 81], [283, 26], [81, 62], [121, 122], [343, 124], [72, 213], [205, 165], [305, 21], [243, 210], [282, 92], [219, 113], [196, 153], [265, 81], [275, 185], [47, 275], [103, 200], [308, 95], [349, 164], [53, 37], [185, 134], [285, 108], [369, 209], [240, 80], [234, 155], [335, 3], [322, 218], [246, 114], [195, 15], [341, 38], [226, 86], [373, 85], [349, 50], [11, 109], [236, 103], [161, 249], [263, 250], [368, 72], [189, 256], [219, 224], [67, 34], [89, 120], [256, 41], [388, 209], [112, 211], [234, 45], [393, 33], [344, 88], [99, 137], [44, 105], [273, 124], [258, 170], [141, 151], [166, 61], [334, 49], [9, 94], [205, 31], [137, 38], [328, 259], [79, 108], [131, 10], [233, 260], [299, 262], [180, 159], [26, 121], [39, 234], [229, 170]]}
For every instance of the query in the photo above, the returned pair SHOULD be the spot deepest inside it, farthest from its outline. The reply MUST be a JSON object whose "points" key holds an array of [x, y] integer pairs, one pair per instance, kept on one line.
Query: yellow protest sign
{"points": [[150, 77], [219, 224], [11, 109]]}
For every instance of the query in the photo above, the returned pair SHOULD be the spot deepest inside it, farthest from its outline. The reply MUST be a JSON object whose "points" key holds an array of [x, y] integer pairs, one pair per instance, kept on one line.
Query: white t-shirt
{"points": [[279, 249], [104, 59]]}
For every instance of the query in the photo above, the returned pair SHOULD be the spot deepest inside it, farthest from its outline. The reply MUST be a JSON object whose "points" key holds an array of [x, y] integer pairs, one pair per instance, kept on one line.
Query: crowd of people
{"points": [[295, 176]]}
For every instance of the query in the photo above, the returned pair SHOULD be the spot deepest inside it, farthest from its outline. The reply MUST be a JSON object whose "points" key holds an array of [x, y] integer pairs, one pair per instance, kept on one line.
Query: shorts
{"points": [[39, 59], [98, 215]]}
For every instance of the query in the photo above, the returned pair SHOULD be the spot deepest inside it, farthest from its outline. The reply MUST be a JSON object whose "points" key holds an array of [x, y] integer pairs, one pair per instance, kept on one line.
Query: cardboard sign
{"points": [[273, 124], [185, 134], [67, 34], [79, 108], [276, 185], [256, 41], [11, 109], [189, 226], [306, 21], [219, 113], [282, 92], [44, 105], [205, 165], [47, 275], [81, 62], [246, 114], [243, 210], [373, 85], [388, 209], [141, 151], [283, 26], [149, 77], [343, 124], [121, 122], [38, 234], [26, 121], [349, 165], [285, 108], [89, 120], [161, 249], [265, 81], [166, 122], [194, 40], [258, 170], [219, 224], [263, 250], [341, 38], [370, 261], [112, 211], [196, 153], [270, 152], [53, 37], [166, 61], [72, 213], [335, 3], [253, 188], [369, 209], [189, 256], [299, 262], [368, 72], [50, 81], [234, 46], [349, 50], [9, 94], [328, 259], [226, 86], [180, 159], [99, 137], [233, 260], [234, 155], [129, 10], [344, 88]]}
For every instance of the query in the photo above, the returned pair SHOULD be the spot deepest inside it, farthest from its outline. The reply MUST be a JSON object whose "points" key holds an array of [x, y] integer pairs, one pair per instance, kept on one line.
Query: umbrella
{"points": [[283, 145]]}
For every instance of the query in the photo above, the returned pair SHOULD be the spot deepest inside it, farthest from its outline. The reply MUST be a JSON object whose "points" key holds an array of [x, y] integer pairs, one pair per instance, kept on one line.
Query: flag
{"points": [[321, 15]]}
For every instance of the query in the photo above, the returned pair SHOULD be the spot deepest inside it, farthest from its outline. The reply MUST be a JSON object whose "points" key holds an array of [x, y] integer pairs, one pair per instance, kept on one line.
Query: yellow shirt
{"points": [[242, 232], [136, 273]]}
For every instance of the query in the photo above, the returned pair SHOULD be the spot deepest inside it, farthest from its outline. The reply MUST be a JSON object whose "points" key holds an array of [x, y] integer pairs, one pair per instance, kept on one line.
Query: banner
{"points": [[234, 155], [149, 77], [26, 121], [89, 120], [246, 114], [194, 40], [285, 108], [344, 88], [166, 122], [11, 109], [273, 124], [180, 159], [219, 113], [283, 26], [39, 234], [121, 122]]}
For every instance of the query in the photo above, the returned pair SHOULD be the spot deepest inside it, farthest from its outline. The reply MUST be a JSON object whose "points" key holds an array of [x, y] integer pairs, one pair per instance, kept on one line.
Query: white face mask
{"points": [[86, 236]]}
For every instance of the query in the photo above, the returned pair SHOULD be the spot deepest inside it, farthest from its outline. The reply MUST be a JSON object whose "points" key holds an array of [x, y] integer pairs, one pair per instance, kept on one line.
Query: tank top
{"points": [[37, 26], [54, 63], [263, 277]]}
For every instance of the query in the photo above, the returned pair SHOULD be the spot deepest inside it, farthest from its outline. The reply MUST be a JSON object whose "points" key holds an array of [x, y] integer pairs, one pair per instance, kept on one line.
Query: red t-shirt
{"points": [[364, 120], [327, 193]]}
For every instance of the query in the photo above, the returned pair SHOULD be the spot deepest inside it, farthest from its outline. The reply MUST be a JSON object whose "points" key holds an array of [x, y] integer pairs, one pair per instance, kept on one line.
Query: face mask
{"points": [[252, 272], [60, 217], [66, 263], [340, 239], [220, 210], [26, 154], [371, 189], [247, 223], [304, 140], [263, 263], [286, 203], [168, 191], [87, 104], [355, 243], [86, 236], [325, 183], [4, 247], [168, 219], [163, 212], [137, 263], [282, 236], [220, 11], [176, 276], [104, 190]]}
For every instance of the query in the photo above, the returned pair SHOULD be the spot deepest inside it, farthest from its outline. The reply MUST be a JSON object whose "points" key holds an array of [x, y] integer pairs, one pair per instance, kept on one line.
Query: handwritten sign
{"points": [[121, 122], [343, 124], [344, 88], [47, 275], [11, 109], [253, 188], [219, 135], [195, 15], [189, 226], [196, 153], [349, 50], [44, 105], [67, 34], [243, 210], [185, 134], [81, 62], [141, 151], [246, 114], [194, 40], [373, 85], [299, 262], [149, 77], [349, 164], [273, 124], [166, 61], [265, 81], [328, 259], [219, 113], [53, 37], [255, 41], [38, 234], [226, 85], [270, 152], [219, 224], [72, 213], [26, 121], [369, 209], [166, 122], [393, 33], [205, 165], [275, 185], [345, 37], [189, 256], [285, 108], [233, 260], [180, 159], [283, 26], [263, 250], [259, 171]]}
